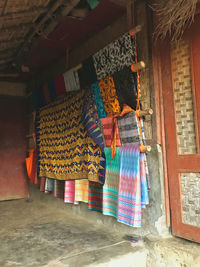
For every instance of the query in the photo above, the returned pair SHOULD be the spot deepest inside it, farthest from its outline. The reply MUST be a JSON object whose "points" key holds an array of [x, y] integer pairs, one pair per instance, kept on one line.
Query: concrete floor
{"points": [[40, 233], [36, 234]]}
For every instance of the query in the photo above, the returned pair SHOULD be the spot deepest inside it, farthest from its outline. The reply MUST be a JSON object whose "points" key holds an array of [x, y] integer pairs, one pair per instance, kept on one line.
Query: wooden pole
{"points": [[138, 66]]}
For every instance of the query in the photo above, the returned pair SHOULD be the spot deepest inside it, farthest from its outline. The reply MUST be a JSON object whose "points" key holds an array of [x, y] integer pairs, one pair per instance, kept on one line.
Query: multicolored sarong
{"points": [[69, 196], [108, 128], [49, 185], [59, 188], [110, 188], [95, 198], [81, 190], [133, 193]]}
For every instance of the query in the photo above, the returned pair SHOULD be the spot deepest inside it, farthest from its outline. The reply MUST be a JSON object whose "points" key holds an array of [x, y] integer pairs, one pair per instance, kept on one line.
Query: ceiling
{"points": [[34, 33]]}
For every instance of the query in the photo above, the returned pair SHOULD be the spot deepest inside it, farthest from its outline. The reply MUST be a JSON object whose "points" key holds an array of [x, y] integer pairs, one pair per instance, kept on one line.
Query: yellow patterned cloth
{"points": [[81, 190], [109, 96], [65, 149]]}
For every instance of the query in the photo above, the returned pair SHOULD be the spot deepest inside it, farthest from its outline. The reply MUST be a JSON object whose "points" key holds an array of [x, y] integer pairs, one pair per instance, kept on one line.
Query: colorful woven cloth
{"points": [[69, 196], [42, 184], [87, 74], [91, 123], [71, 81], [110, 188], [108, 127], [49, 185], [59, 189], [98, 100], [126, 87], [132, 196], [109, 96], [143, 181], [81, 190], [115, 56], [95, 198], [31, 166], [65, 149]]}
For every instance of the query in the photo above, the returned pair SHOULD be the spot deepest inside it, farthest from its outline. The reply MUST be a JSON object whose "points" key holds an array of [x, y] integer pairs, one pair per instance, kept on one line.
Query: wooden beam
{"points": [[130, 13], [21, 26], [9, 75], [4, 7]]}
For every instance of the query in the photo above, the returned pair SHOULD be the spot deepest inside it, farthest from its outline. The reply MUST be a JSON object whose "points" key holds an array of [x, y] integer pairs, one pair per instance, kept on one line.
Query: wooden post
{"points": [[138, 66]]}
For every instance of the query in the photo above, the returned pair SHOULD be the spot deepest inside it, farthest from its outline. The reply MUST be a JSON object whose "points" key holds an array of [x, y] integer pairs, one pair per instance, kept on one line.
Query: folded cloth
{"points": [[59, 189], [49, 185], [71, 80], [95, 198], [69, 196], [81, 190]]}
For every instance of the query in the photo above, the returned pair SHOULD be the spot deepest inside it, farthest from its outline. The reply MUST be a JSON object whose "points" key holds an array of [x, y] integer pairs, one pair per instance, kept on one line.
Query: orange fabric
{"points": [[46, 94], [109, 96], [31, 166]]}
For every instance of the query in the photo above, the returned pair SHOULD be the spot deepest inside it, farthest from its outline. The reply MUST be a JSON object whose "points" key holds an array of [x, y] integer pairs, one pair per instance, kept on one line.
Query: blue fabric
{"points": [[52, 90]]}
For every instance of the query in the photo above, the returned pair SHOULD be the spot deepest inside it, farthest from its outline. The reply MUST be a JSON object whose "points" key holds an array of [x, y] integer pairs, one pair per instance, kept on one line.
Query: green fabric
{"points": [[93, 3]]}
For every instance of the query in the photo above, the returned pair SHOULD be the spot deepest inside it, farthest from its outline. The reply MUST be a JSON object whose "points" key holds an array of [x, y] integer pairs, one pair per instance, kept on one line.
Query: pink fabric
{"points": [[69, 196]]}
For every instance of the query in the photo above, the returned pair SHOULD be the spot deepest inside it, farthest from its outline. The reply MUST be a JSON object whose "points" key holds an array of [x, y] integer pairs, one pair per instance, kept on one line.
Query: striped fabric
{"points": [[81, 190], [59, 189], [108, 126], [110, 188], [69, 196], [133, 193], [95, 198], [49, 185]]}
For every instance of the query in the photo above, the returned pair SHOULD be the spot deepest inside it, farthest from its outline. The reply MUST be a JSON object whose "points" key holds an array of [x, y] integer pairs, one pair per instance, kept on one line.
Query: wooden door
{"points": [[13, 182], [180, 72]]}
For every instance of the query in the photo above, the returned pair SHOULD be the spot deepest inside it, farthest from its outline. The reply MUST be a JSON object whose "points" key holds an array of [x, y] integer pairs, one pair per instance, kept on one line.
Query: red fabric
{"points": [[31, 166], [60, 85]]}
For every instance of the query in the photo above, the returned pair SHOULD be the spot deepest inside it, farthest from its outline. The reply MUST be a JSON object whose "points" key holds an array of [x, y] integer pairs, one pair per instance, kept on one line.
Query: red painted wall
{"points": [[13, 183]]}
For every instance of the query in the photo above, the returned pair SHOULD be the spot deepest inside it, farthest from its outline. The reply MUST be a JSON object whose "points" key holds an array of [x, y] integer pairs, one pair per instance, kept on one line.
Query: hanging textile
{"points": [[109, 96], [126, 87], [95, 197], [60, 85], [69, 195], [130, 187], [91, 123], [143, 181], [42, 184], [98, 100], [65, 150], [52, 90], [87, 74], [108, 127], [110, 188], [31, 166], [59, 189], [46, 93], [81, 190], [49, 185], [71, 80], [115, 56]]}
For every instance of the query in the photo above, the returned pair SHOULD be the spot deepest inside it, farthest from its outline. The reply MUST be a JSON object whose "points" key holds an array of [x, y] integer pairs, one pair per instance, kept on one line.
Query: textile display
{"points": [[115, 56], [42, 184], [69, 195], [108, 128], [126, 87], [71, 81], [31, 166], [98, 100], [91, 123], [110, 188], [81, 190], [49, 185], [87, 73], [132, 195], [95, 197], [59, 189], [65, 150], [109, 96]]}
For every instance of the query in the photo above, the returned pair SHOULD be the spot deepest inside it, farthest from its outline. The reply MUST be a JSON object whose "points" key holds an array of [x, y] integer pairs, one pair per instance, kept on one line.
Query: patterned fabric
{"points": [[65, 150], [126, 86], [129, 197], [143, 181], [60, 85], [49, 185], [91, 123], [81, 190], [98, 100], [59, 188], [31, 166], [115, 56], [87, 74], [110, 188], [71, 80], [69, 196], [109, 96], [95, 198], [129, 129], [42, 184], [108, 127]]}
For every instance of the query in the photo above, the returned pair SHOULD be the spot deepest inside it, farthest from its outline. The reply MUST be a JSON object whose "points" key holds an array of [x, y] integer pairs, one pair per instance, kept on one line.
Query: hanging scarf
{"points": [[98, 100], [95, 198]]}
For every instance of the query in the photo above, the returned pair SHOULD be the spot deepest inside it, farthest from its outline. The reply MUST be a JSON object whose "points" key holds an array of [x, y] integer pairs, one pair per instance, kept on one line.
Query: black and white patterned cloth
{"points": [[115, 56]]}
